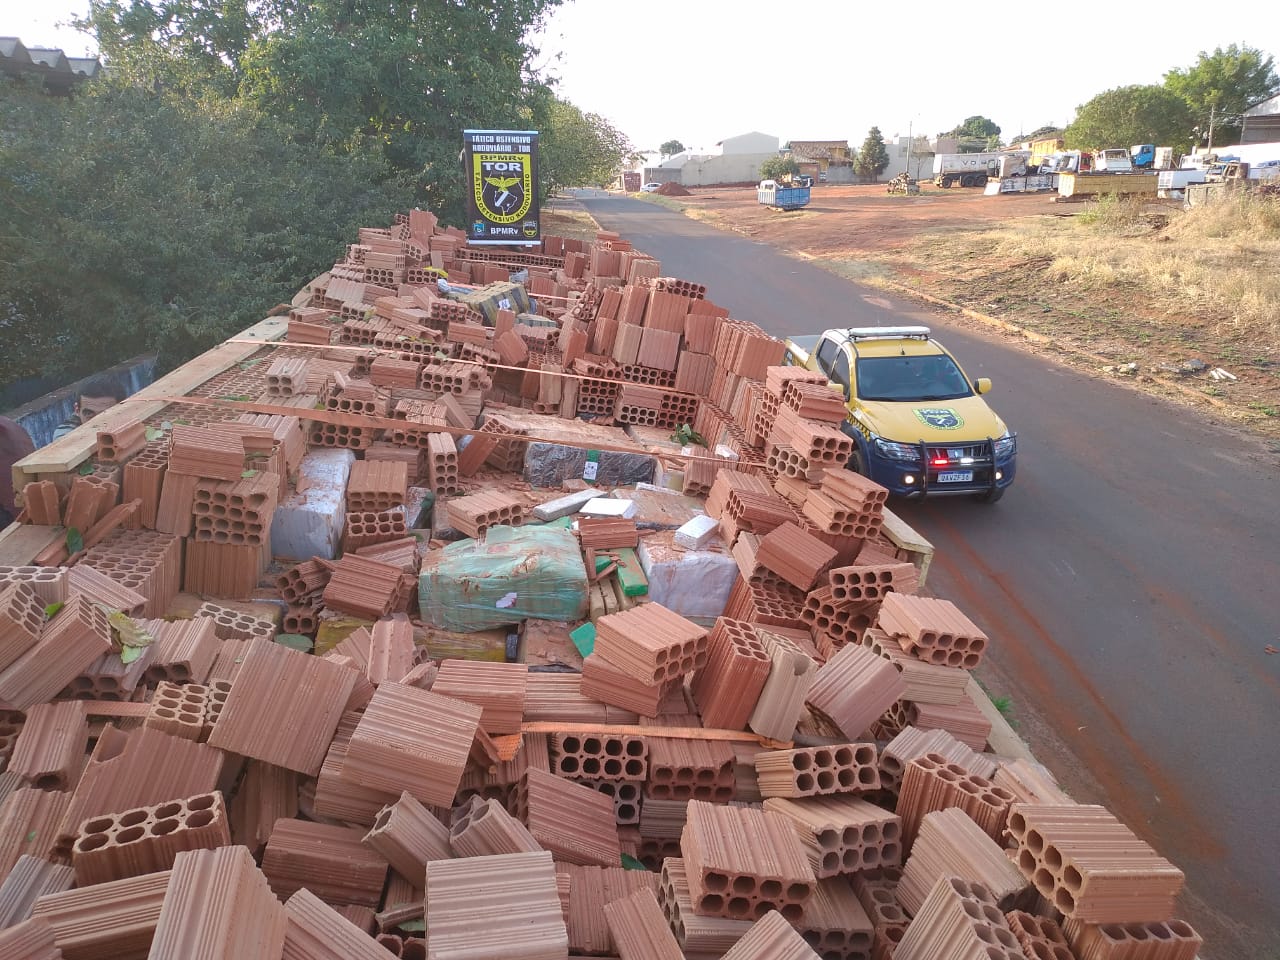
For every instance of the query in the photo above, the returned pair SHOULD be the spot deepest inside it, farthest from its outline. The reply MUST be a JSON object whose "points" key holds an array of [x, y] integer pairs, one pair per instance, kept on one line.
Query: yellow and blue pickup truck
{"points": [[919, 425]]}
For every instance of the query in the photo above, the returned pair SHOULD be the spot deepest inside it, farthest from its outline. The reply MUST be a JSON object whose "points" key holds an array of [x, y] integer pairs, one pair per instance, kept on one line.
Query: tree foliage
{"points": [[978, 127], [578, 149], [192, 45], [133, 221], [873, 158], [976, 134], [233, 151], [1127, 115], [671, 148], [403, 76], [1221, 85], [776, 168], [1042, 133]]}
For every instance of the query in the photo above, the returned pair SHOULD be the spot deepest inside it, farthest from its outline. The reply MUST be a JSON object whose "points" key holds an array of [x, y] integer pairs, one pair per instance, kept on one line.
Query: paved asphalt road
{"points": [[1129, 580]]}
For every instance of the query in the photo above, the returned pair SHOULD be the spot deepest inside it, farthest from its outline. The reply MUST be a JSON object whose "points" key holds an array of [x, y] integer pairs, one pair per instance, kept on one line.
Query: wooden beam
{"points": [[902, 535], [67, 453], [303, 296], [20, 543], [1003, 740], [645, 730]]}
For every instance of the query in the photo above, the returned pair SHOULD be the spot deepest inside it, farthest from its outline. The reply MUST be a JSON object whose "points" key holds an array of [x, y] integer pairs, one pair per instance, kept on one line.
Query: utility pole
{"points": [[1212, 112], [910, 144]]}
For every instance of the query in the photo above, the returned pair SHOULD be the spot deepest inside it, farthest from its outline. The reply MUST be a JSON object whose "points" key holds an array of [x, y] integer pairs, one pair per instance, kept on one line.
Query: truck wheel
{"points": [[980, 180], [855, 462], [991, 496], [946, 182]]}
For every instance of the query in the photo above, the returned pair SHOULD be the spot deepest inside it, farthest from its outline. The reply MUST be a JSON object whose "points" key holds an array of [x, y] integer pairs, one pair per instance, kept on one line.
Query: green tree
{"points": [[187, 44], [671, 148], [873, 158], [402, 76], [133, 221], [976, 134], [776, 168], [579, 149], [1042, 133], [1128, 115], [1220, 86], [977, 127]]}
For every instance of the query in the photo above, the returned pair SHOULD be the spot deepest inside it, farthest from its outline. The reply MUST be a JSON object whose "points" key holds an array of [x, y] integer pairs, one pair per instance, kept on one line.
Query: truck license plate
{"points": [[956, 476]]}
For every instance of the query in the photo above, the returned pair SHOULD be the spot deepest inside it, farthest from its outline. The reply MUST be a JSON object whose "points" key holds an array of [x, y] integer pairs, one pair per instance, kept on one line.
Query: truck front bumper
{"points": [[915, 481]]}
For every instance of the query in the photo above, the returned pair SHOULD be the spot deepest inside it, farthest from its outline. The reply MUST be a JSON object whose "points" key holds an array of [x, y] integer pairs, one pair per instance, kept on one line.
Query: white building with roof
{"points": [[732, 160]]}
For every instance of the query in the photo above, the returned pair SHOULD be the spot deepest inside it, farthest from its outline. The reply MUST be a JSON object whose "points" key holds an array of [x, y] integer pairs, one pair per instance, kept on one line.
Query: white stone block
{"points": [[692, 583], [309, 522]]}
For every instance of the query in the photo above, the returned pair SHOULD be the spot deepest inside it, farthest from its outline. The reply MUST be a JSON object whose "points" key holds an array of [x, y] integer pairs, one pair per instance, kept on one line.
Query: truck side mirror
{"points": [[982, 385]]}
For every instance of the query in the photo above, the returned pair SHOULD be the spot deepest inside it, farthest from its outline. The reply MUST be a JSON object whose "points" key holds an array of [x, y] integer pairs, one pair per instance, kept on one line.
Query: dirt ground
{"points": [[1009, 259], [845, 219]]}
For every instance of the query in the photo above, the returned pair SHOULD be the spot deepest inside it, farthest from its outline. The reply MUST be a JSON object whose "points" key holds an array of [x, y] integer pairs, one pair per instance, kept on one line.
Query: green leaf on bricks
{"points": [[127, 635], [53, 608], [295, 641], [631, 863], [75, 542]]}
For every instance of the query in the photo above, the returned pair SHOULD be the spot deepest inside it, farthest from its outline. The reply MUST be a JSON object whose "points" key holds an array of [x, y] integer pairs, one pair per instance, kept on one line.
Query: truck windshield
{"points": [[933, 377]]}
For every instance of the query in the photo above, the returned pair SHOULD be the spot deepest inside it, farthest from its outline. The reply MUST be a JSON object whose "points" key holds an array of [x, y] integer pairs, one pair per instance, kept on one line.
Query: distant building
{"points": [[733, 160], [832, 159], [912, 154], [1262, 122], [59, 72]]}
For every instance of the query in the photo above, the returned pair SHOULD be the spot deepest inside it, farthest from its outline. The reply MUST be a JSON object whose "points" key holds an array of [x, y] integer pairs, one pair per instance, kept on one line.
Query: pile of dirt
{"points": [[671, 189]]}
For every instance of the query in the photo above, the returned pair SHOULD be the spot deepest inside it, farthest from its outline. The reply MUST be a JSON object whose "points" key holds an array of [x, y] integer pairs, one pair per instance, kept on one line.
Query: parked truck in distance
{"points": [[1147, 156], [974, 169], [1112, 161], [1042, 150], [1142, 156], [1068, 161]]}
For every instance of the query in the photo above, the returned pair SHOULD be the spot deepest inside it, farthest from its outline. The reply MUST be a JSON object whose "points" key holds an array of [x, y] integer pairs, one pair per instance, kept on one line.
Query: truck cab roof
{"points": [[911, 341]]}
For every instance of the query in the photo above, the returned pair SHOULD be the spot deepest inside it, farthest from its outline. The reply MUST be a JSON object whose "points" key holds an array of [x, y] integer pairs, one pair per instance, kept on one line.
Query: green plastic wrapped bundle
{"points": [[493, 297], [512, 574]]}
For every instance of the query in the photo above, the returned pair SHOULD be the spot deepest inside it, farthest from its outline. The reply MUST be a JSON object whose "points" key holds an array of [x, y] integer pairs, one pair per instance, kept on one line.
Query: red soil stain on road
{"points": [[1097, 750]]}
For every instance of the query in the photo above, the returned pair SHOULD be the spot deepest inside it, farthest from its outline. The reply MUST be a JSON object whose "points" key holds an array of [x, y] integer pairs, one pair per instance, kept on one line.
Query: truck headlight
{"points": [[1006, 445], [898, 451]]}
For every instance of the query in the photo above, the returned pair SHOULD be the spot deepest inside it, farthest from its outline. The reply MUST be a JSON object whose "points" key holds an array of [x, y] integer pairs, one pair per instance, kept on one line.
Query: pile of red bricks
{"points": [[805, 774]]}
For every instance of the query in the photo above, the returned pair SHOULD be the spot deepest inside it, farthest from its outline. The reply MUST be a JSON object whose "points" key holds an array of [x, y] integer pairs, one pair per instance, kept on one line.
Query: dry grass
{"points": [[1218, 261], [1121, 281], [1211, 269], [567, 218]]}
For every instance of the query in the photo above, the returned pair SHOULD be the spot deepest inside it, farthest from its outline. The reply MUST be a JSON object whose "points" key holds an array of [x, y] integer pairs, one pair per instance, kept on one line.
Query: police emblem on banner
{"points": [[941, 418], [503, 186], [502, 168]]}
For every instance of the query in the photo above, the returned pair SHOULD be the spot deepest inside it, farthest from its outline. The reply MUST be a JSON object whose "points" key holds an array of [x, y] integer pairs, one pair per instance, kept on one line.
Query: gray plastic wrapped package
{"points": [[512, 574], [551, 464]]}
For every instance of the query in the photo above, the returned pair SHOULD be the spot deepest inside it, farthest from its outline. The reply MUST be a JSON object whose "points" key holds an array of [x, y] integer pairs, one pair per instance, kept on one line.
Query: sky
{"points": [[699, 71]]}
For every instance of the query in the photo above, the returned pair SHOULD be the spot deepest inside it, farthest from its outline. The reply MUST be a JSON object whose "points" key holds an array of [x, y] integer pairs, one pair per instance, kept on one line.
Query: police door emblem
{"points": [[940, 418]]}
